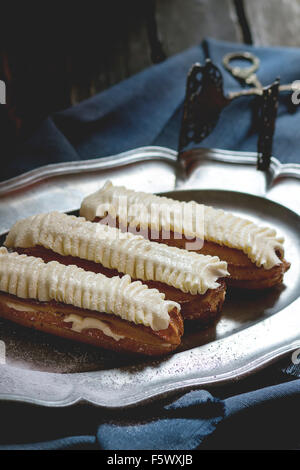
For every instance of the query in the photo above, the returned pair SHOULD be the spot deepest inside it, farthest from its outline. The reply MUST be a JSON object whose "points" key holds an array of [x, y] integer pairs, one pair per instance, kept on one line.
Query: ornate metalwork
{"points": [[268, 115], [203, 104], [205, 100]]}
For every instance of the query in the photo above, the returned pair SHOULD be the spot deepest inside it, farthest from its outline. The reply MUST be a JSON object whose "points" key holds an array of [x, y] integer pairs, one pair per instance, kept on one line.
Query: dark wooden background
{"points": [[52, 58]]}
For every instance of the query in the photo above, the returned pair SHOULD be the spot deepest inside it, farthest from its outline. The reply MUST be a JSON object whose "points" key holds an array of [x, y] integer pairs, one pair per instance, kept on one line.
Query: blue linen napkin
{"points": [[146, 109], [260, 412], [266, 418]]}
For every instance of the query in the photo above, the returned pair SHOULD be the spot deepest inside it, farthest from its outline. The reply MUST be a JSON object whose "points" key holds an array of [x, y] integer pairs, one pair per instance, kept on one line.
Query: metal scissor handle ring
{"points": [[241, 72]]}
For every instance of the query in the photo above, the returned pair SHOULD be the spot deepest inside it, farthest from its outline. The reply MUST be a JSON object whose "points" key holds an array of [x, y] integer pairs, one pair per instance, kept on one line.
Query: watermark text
{"points": [[2, 353], [2, 92]]}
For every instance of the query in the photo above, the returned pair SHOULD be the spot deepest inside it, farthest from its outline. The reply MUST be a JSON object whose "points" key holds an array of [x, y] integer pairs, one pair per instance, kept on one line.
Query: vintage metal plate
{"points": [[253, 329]]}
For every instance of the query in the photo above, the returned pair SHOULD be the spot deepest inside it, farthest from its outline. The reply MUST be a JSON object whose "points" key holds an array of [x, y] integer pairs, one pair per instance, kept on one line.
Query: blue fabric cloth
{"points": [[265, 418], [260, 412], [146, 109]]}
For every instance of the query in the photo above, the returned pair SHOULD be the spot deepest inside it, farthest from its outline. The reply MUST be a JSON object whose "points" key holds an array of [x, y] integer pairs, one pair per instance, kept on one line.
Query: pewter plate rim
{"points": [[142, 154]]}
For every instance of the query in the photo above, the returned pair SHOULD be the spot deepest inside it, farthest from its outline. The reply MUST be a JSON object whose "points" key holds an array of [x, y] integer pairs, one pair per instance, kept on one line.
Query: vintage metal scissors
{"points": [[205, 99], [247, 74], [244, 74]]}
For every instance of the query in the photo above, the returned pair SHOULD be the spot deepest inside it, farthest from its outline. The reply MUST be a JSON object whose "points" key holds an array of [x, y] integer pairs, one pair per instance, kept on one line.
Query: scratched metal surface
{"points": [[252, 331]]}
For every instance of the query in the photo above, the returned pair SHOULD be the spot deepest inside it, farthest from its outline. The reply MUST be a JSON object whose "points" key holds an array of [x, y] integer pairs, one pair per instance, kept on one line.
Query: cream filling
{"points": [[28, 277], [260, 244], [83, 323], [125, 252], [20, 308], [79, 323]]}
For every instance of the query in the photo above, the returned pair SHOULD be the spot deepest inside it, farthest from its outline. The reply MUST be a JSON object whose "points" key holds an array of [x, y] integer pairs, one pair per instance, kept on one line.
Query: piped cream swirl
{"points": [[260, 244], [125, 252], [28, 277]]}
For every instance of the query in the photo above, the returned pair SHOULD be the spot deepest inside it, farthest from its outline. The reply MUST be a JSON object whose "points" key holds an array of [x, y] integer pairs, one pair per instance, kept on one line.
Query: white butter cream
{"points": [[125, 252], [28, 277], [260, 244]]}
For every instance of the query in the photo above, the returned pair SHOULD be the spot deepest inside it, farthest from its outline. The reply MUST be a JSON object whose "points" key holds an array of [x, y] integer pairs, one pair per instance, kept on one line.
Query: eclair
{"points": [[254, 254], [194, 281], [113, 313]]}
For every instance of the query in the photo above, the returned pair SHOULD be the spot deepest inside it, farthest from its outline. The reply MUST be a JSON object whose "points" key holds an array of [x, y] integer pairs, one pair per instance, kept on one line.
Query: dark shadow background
{"points": [[48, 51], [53, 55]]}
